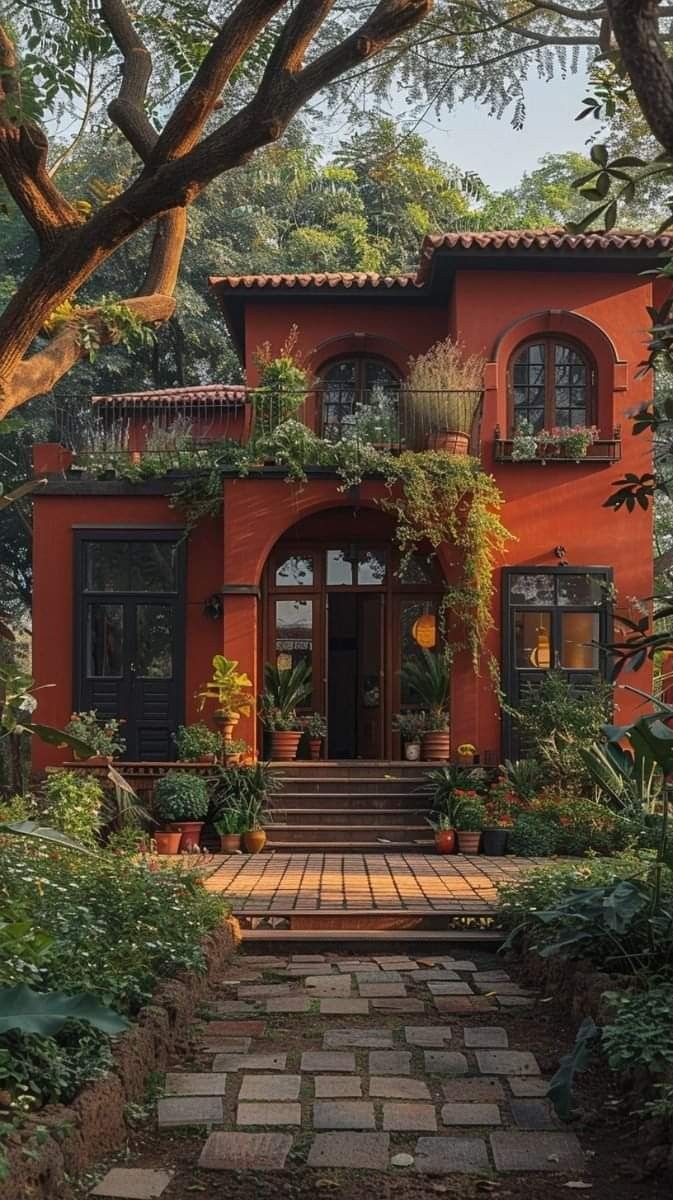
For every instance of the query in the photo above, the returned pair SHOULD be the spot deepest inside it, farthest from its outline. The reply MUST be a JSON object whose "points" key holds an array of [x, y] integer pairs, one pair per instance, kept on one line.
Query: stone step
{"points": [[344, 846], [376, 785], [442, 936], [350, 799], [390, 818]]}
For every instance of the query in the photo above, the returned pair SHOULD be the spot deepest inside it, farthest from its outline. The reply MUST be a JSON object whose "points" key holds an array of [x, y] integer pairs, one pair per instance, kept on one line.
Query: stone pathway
{"points": [[424, 1079]]}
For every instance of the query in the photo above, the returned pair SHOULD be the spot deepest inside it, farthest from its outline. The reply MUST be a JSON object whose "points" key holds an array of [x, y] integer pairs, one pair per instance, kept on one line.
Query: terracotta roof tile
{"points": [[206, 393], [321, 279]]}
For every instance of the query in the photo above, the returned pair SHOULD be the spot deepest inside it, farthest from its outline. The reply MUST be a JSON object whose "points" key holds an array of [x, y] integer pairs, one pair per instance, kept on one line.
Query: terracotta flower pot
{"points": [[436, 745], [284, 743], [412, 751], [451, 442], [445, 841], [224, 723], [230, 842], [314, 747], [468, 841], [494, 842], [190, 832], [167, 841], [254, 840]]}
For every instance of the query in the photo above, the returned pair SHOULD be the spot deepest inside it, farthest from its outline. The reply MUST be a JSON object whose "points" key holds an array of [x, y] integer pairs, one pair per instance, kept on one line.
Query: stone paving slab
{"points": [[408, 1005], [459, 1155], [133, 1183], [433, 974], [343, 1006], [463, 1004], [250, 1062], [324, 989], [463, 965], [306, 958], [233, 1008], [187, 1083], [189, 1110], [357, 1150], [337, 1087], [528, 1086], [270, 1087], [533, 1114], [343, 1114], [516, 1001], [389, 1062], [260, 991], [450, 989], [409, 1118], [470, 1113], [485, 1037], [507, 1062], [378, 976], [427, 1035], [310, 971], [491, 977], [504, 989], [234, 1029], [327, 1061], [517, 1151], [381, 990], [481, 1089], [245, 1151], [288, 1004], [268, 1113], [445, 1062], [393, 1087], [367, 1039]]}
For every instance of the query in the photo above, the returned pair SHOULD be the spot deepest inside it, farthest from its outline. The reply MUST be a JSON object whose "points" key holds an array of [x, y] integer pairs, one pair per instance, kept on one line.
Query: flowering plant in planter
{"points": [[103, 735], [524, 443], [315, 726]]}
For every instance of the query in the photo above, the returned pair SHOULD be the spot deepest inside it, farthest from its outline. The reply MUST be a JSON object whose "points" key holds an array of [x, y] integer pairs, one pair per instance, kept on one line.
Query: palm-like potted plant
{"points": [[316, 732], [231, 691], [284, 691], [470, 817], [181, 801], [244, 789], [411, 727], [429, 676]]}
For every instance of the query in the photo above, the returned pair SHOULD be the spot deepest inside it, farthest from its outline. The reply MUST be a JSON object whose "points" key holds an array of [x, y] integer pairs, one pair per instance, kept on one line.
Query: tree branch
{"points": [[297, 35], [635, 25], [127, 110]]}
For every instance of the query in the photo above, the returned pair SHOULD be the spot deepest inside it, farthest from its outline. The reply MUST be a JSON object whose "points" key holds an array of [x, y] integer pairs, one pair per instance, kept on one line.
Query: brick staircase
{"points": [[342, 807]]}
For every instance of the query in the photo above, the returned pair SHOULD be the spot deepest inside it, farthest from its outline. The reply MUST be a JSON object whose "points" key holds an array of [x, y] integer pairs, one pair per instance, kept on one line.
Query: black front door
{"points": [[354, 675], [130, 635]]}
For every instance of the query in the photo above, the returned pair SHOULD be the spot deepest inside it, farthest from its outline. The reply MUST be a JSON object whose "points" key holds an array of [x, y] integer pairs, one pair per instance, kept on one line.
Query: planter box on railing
{"points": [[603, 450]]}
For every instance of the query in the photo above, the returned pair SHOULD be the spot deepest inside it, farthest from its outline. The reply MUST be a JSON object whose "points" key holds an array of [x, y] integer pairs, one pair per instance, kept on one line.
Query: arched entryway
{"points": [[334, 595]]}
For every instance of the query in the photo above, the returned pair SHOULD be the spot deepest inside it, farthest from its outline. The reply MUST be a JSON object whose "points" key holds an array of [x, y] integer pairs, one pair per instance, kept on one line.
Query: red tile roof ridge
{"points": [[195, 392], [326, 279]]}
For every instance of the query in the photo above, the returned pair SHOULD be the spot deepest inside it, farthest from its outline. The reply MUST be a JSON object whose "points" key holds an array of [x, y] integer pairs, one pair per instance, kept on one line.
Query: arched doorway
{"points": [[334, 596]]}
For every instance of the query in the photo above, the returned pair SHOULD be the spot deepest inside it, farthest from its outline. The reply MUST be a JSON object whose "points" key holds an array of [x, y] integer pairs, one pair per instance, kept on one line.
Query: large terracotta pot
{"points": [[436, 745], [451, 442], [468, 841], [230, 842], [314, 749], [445, 841], [190, 834], [284, 743], [167, 842], [224, 723], [254, 840], [494, 842]]}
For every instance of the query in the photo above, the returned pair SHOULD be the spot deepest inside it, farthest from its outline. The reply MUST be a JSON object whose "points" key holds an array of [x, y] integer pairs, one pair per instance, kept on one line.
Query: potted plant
{"points": [[230, 689], [316, 731], [499, 816], [470, 814], [181, 801], [429, 676], [234, 751], [102, 734], [445, 833], [245, 789], [442, 394], [410, 726], [466, 753], [229, 824], [285, 690], [198, 743]]}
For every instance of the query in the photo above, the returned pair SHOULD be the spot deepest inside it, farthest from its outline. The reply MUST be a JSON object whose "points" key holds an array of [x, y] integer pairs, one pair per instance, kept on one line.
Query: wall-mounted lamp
{"points": [[213, 607], [540, 655], [424, 631]]}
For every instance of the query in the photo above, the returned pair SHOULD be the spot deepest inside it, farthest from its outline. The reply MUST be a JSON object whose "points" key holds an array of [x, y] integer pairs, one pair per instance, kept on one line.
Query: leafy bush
{"points": [[533, 836], [181, 796], [74, 804], [540, 888], [102, 735], [194, 742], [557, 724], [570, 826], [641, 1031]]}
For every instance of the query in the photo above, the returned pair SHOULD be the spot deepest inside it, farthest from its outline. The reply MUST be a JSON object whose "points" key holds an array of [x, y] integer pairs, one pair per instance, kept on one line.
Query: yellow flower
{"points": [[467, 748]]}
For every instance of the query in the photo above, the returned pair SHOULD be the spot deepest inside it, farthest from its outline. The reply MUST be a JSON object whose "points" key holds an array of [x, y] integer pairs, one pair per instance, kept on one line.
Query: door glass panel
{"points": [[105, 641], [578, 632], [339, 569], [153, 566], [154, 641], [107, 566], [371, 567], [418, 569], [418, 632], [536, 588], [130, 566], [533, 640], [294, 632], [577, 590], [295, 571]]}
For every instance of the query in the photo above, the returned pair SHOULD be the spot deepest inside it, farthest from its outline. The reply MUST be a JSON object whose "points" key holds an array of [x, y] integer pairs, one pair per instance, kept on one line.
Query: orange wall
{"points": [[53, 616]]}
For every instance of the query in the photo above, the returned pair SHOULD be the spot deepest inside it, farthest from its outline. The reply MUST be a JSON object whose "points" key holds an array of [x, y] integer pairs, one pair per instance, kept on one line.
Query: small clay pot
{"points": [[436, 745], [469, 841], [167, 841], [254, 840], [230, 842], [451, 442], [445, 841], [284, 744], [412, 751], [190, 832], [494, 842], [314, 747]]}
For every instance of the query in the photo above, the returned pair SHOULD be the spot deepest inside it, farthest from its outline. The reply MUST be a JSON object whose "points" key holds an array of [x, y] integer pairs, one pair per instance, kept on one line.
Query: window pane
{"points": [[107, 567], [533, 647], [295, 571], [578, 590], [153, 566], [294, 632], [339, 569], [154, 641], [418, 631], [571, 383], [535, 588], [579, 631], [130, 566], [528, 377], [371, 567], [105, 641]]}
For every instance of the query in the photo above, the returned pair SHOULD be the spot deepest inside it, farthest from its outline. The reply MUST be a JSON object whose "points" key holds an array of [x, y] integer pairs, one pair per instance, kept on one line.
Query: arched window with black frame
{"points": [[551, 384], [360, 400]]}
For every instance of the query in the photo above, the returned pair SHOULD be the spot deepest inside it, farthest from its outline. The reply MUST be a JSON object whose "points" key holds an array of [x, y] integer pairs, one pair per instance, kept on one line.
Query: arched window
{"points": [[551, 383], [360, 399]]}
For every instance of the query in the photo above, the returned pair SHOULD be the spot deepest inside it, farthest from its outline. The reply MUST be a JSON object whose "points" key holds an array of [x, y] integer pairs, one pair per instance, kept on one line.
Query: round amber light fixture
{"points": [[424, 631]]}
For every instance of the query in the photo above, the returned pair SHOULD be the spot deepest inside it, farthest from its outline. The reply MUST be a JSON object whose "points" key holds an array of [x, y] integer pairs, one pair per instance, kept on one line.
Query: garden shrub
{"points": [[557, 723], [640, 1033], [73, 802], [533, 836], [181, 796], [540, 888]]}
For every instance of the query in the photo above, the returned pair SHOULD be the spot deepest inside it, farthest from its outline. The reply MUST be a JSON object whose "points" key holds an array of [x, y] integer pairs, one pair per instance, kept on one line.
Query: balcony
{"points": [[601, 451]]}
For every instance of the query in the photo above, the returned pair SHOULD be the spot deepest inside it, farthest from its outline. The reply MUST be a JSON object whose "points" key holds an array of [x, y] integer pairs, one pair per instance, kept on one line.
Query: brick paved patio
{"points": [[419, 883]]}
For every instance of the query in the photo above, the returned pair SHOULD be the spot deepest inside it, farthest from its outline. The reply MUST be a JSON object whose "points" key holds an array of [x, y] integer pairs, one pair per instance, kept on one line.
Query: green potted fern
{"points": [[284, 691]]}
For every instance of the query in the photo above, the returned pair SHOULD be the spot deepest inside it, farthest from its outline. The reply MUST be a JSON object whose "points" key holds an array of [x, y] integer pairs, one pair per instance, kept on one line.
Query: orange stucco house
{"points": [[128, 612]]}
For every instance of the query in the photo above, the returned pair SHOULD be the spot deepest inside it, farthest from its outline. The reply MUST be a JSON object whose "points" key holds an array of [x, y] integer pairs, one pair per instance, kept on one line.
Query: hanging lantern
{"points": [[424, 631], [284, 662], [540, 655]]}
